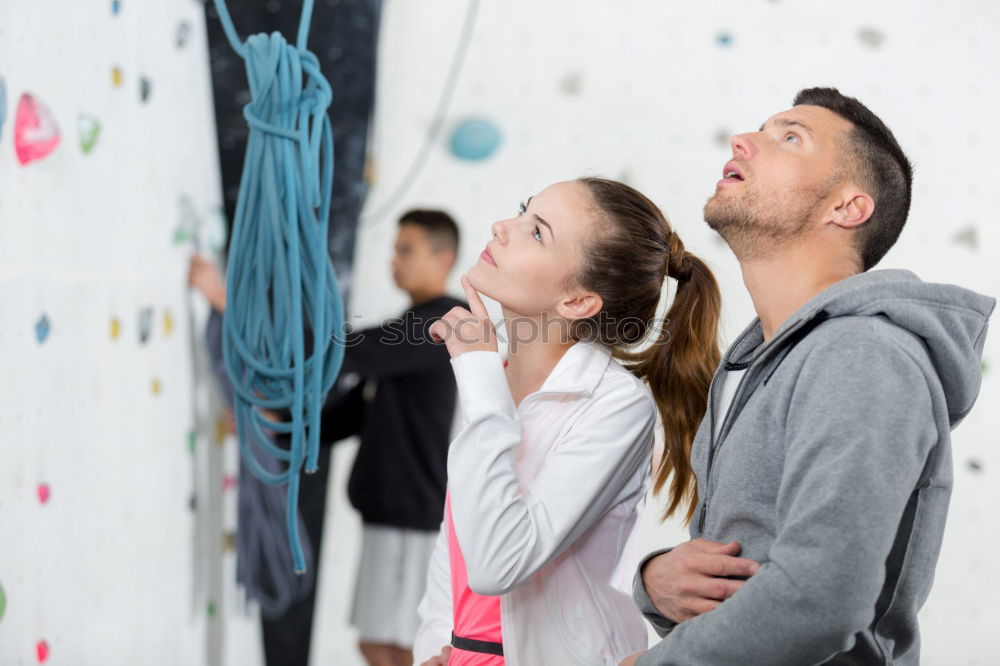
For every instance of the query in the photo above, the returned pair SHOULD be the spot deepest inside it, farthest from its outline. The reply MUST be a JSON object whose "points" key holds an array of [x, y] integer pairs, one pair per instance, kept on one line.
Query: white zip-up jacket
{"points": [[545, 499]]}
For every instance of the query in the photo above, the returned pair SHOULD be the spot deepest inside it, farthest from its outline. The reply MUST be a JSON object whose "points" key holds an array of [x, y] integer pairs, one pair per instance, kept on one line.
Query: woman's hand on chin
{"points": [[464, 331]]}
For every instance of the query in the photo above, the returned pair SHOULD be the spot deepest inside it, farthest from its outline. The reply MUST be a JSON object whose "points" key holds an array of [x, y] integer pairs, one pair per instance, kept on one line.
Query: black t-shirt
{"points": [[400, 473]]}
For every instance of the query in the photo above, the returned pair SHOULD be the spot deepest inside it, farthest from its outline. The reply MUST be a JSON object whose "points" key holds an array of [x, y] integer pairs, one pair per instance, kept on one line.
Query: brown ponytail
{"points": [[626, 265]]}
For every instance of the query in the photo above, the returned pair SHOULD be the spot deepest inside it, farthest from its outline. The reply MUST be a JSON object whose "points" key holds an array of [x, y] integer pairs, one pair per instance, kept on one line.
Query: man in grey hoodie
{"points": [[823, 463]]}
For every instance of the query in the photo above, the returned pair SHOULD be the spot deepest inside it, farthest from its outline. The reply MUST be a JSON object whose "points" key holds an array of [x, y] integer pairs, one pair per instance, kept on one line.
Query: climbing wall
{"points": [[108, 181], [649, 92]]}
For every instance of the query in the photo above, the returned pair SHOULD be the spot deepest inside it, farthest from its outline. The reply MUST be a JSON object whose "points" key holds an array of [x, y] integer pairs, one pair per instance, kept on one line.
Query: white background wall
{"points": [[641, 91], [103, 571]]}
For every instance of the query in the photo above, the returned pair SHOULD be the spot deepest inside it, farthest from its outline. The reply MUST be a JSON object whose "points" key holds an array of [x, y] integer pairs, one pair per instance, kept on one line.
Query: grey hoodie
{"points": [[833, 470]]}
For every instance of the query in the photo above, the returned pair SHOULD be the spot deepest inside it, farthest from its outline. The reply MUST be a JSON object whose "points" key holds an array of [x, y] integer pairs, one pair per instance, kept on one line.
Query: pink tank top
{"points": [[475, 616]]}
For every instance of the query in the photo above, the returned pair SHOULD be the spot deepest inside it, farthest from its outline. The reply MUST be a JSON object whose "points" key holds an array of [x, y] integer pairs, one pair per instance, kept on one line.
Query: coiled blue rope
{"points": [[279, 278]]}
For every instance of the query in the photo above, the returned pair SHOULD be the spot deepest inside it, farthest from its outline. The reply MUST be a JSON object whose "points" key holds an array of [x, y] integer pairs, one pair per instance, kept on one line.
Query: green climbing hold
{"points": [[211, 609], [192, 441], [3, 602], [89, 128]]}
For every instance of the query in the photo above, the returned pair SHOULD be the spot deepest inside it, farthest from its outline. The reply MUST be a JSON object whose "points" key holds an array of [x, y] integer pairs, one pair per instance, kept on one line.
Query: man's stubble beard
{"points": [[752, 228]]}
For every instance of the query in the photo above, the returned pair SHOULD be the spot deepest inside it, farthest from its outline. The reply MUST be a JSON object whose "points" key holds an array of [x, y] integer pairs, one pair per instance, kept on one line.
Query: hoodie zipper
{"points": [[729, 412], [711, 441]]}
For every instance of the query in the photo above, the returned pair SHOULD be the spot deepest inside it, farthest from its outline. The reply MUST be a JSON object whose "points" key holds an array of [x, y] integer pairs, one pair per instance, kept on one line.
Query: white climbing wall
{"points": [[97, 538]]}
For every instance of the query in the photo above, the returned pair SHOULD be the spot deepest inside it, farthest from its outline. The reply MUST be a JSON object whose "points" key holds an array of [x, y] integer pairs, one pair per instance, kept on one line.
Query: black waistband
{"points": [[472, 645]]}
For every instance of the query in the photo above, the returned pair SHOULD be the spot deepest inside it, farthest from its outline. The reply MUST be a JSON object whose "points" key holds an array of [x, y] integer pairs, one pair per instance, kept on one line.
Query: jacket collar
{"points": [[579, 370]]}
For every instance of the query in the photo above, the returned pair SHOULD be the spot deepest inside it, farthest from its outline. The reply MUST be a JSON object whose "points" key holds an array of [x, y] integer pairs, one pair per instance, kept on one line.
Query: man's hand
{"points": [[441, 659], [204, 276], [462, 330], [690, 579]]}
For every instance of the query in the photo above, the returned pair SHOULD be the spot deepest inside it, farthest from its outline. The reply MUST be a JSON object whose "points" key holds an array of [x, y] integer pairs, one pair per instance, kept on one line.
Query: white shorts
{"points": [[392, 577]]}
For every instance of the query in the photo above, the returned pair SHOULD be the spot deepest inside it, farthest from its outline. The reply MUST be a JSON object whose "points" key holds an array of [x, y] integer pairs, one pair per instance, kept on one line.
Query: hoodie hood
{"points": [[951, 321]]}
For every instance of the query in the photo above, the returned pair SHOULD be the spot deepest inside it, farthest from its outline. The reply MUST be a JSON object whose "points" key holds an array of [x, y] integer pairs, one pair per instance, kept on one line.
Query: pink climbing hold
{"points": [[35, 131], [42, 650], [43, 492]]}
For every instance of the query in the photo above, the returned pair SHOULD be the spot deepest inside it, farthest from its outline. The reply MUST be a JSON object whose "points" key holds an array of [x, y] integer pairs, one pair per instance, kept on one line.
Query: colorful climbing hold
{"points": [[3, 602], [116, 7], [220, 431], [193, 502], [168, 323], [189, 221], [724, 39], [43, 492], [229, 542], [145, 324], [182, 35], [968, 237], [211, 609], [572, 84], [145, 88], [871, 37], [42, 651], [116, 328], [35, 131], [89, 128], [229, 482], [192, 441], [42, 327], [116, 76], [474, 139], [371, 171], [156, 386], [212, 234]]}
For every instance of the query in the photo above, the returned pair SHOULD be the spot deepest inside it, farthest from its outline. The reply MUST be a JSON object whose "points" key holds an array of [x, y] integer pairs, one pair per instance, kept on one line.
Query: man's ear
{"points": [[446, 260], [580, 305], [853, 210]]}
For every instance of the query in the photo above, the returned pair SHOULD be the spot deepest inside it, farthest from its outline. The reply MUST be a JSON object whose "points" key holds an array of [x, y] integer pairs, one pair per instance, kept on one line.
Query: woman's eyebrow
{"points": [[540, 220], [549, 226]]}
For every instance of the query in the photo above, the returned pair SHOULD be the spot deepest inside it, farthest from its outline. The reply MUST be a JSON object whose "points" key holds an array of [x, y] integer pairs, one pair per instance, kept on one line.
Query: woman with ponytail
{"points": [[549, 473]]}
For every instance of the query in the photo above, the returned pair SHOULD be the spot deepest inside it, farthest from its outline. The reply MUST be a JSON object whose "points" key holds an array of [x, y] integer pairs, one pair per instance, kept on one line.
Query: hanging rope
{"points": [[283, 304]]}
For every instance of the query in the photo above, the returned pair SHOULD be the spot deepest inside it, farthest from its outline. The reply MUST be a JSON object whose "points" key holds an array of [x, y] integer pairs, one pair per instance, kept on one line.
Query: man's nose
{"points": [[743, 146]]}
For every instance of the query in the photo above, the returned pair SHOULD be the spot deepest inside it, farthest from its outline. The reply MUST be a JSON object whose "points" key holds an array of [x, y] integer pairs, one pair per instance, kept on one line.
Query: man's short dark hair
{"points": [[442, 232], [878, 164]]}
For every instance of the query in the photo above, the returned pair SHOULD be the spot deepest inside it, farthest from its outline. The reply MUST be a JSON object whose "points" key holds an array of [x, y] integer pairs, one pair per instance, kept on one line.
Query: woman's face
{"points": [[532, 255]]}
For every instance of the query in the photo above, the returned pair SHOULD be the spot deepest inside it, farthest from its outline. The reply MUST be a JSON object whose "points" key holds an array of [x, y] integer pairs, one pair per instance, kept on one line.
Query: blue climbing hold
{"points": [[116, 6], [42, 327], [724, 39], [474, 139]]}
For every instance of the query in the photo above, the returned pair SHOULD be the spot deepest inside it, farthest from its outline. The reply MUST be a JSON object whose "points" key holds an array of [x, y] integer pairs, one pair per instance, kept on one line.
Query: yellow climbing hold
{"points": [[116, 76], [116, 328], [157, 387], [168, 323], [220, 431]]}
